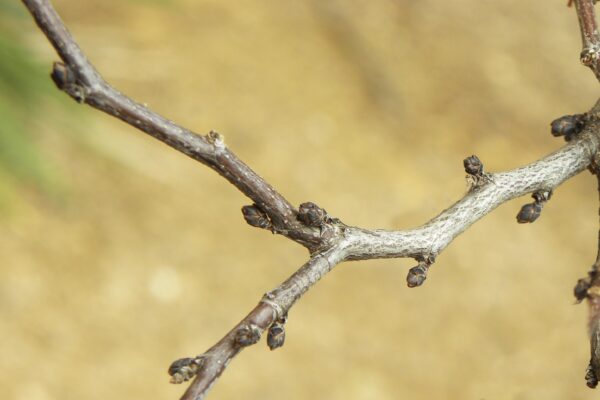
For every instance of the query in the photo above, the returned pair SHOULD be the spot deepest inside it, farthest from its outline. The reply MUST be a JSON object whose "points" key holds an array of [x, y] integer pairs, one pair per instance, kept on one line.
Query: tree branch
{"points": [[593, 299], [273, 307], [590, 37], [431, 238], [78, 78], [328, 239], [423, 243]]}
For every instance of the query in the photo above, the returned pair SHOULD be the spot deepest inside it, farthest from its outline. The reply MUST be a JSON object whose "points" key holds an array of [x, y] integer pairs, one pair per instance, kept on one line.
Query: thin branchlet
{"points": [[590, 36], [79, 79]]}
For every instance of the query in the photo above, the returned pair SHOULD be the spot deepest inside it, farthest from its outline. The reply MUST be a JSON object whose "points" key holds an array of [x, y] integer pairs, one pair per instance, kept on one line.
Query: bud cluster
{"points": [[567, 126]]}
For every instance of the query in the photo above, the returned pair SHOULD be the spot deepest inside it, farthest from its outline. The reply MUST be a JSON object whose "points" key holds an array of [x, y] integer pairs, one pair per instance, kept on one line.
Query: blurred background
{"points": [[119, 255]]}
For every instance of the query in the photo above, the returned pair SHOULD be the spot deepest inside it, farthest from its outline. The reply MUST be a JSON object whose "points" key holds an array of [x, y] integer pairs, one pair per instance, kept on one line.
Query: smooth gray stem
{"points": [[432, 237]]}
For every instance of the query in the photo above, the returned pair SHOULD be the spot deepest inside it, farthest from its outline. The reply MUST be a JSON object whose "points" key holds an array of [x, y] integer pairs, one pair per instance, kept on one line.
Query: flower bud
{"points": [[581, 289], [184, 369], [276, 336], [529, 213], [473, 165], [417, 275], [567, 125], [62, 75], [311, 214], [256, 217], [247, 335]]}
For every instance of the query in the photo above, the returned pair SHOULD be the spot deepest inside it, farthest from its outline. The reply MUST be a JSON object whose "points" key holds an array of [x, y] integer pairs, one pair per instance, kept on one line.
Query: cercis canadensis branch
{"points": [[329, 241], [423, 243]]}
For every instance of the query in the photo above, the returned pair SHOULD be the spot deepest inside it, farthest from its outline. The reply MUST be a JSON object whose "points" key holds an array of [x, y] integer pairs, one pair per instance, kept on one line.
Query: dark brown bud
{"points": [[184, 369], [581, 289], [417, 275], [248, 335], [62, 75], [276, 336], [66, 80], [590, 377], [567, 125], [473, 165], [529, 213], [256, 217], [311, 214]]}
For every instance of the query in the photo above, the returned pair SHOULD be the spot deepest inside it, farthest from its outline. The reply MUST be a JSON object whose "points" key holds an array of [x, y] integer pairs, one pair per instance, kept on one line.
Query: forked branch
{"points": [[329, 241], [423, 243]]}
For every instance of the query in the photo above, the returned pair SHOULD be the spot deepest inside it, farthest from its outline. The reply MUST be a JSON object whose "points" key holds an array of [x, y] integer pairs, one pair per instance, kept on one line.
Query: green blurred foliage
{"points": [[25, 93]]}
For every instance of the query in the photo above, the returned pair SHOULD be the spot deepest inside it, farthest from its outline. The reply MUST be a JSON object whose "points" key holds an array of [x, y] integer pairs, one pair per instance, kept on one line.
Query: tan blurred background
{"points": [[119, 255]]}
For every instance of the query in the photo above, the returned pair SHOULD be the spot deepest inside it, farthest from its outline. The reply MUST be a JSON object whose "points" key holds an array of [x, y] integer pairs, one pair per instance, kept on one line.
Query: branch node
{"points": [[66, 80], [269, 299], [568, 126], [184, 369], [216, 139], [248, 335], [594, 167], [542, 196], [590, 55], [256, 217], [276, 336]]}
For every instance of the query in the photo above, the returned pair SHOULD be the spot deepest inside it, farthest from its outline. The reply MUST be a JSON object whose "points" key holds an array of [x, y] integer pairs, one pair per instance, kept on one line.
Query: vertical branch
{"points": [[596, 265], [589, 287], [590, 37], [593, 296]]}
